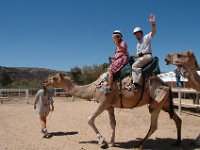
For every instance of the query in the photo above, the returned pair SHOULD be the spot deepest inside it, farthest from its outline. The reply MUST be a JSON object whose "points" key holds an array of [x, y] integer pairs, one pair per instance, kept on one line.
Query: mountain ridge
{"points": [[27, 77]]}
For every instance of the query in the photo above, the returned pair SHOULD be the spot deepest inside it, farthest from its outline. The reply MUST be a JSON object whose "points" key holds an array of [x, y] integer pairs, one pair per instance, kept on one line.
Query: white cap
{"points": [[117, 32], [137, 29]]}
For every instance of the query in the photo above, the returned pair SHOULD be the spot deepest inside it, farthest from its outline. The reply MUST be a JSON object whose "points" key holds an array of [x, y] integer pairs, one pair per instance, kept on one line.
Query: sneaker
{"points": [[47, 135], [107, 90], [44, 130], [133, 87]]}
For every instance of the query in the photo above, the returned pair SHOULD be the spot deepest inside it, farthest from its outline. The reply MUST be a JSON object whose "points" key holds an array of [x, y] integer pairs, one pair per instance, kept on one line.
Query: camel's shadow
{"points": [[52, 134], [152, 144]]}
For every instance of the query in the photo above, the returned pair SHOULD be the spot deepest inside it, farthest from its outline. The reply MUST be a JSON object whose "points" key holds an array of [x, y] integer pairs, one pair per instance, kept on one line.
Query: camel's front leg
{"points": [[100, 108], [112, 124]]}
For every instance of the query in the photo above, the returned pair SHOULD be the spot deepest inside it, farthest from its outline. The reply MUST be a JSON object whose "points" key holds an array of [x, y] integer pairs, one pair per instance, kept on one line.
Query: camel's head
{"points": [[55, 81], [185, 59]]}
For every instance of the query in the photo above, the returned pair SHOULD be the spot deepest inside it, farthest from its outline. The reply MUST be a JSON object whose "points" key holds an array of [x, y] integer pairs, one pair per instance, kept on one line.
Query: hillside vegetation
{"points": [[24, 77]]}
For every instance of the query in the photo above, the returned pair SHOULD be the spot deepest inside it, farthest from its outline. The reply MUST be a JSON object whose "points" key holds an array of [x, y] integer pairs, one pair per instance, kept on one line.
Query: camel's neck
{"points": [[83, 92], [193, 79]]}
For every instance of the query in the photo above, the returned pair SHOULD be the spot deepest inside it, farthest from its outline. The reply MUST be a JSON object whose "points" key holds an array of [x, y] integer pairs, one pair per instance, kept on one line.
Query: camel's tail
{"points": [[171, 104]]}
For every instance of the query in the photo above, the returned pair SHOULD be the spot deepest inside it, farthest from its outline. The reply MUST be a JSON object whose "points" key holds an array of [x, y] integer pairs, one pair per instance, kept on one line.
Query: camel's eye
{"points": [[178, 55]]}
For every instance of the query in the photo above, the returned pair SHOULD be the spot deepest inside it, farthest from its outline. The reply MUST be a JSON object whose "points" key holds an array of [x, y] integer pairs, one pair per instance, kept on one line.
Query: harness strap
{"points": [[142, 92], [141, 54], [120, 93]]}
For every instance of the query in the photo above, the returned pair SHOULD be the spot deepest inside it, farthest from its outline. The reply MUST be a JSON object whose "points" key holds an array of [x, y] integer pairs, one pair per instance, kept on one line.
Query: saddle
{"points": [[150, 69]]}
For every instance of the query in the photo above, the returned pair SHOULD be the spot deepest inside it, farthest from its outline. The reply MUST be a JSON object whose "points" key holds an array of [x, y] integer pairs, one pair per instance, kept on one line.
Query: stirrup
{"points": [[132, 87], [107, 90]]}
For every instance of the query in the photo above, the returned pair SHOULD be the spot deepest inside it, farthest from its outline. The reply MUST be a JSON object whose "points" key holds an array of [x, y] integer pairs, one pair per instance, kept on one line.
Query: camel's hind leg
{"points": [[169, 107], [100, 108], [112, 124], [178, 123], [177, 120], [153, 127]]}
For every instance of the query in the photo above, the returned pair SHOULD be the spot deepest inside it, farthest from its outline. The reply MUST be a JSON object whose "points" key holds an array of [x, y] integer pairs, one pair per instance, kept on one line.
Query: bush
{"points": [[5, 78], [87, 74]]}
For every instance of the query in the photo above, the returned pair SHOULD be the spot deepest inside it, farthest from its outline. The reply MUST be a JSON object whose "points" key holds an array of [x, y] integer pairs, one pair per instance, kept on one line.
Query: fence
{"points": [[181, 91], [7, 94]]}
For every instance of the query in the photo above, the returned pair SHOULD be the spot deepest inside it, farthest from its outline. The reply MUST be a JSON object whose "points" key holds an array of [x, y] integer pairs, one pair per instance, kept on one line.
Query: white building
{"points": [[170, 77]]}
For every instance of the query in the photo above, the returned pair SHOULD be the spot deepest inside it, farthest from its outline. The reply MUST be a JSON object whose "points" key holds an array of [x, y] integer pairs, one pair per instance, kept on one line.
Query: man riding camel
{"points": [[144, 51]]}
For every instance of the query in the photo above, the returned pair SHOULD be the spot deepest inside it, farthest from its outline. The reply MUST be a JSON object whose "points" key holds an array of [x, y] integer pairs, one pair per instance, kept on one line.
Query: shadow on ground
{"points": [[152, 144], [62, 133]]}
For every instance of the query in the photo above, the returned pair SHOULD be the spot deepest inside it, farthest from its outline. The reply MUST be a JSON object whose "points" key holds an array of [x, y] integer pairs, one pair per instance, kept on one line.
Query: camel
{"points": [[188, 61], [157, 95]]}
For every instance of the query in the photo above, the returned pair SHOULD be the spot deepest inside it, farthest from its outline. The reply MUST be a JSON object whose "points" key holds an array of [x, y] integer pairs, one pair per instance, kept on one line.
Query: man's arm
{"points": [[153, 23]]}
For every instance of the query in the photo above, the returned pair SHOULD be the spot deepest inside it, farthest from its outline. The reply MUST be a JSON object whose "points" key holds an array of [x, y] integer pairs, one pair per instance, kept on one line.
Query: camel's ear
{"points": [[190, 53], [62, 75]]}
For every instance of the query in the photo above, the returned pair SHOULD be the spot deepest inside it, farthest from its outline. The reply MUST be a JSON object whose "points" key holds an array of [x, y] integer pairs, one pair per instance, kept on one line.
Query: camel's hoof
{"points": [[111, 144], [104, 145], [101, 140]]}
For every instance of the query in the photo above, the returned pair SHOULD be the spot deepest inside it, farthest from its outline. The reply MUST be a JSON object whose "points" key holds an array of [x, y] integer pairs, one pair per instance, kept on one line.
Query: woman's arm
{"points": [[52, 107], [36, 100], [51, 102], [121, 45]]}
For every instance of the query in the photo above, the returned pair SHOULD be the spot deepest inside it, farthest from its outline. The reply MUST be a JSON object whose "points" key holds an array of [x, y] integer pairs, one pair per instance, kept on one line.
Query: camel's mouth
{"points": [[167, 61], [177, 62], [174, 62]]}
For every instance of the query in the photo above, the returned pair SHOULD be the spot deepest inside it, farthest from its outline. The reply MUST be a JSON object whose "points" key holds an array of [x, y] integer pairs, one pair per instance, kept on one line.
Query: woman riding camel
{"points": [[144, 51], [120, 58]]}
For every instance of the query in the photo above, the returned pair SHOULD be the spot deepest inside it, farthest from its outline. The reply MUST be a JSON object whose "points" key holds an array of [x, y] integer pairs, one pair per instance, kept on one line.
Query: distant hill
{"points": [[24, 77]]}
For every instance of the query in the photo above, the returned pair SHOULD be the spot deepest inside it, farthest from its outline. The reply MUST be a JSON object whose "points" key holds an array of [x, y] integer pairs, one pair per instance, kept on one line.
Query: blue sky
{"points": [[61, 34]]}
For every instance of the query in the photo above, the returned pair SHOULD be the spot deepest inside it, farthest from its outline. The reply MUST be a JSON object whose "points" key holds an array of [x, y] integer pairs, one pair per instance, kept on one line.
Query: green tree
{"points": [[5, 79], [76, 75], [87, 74]]}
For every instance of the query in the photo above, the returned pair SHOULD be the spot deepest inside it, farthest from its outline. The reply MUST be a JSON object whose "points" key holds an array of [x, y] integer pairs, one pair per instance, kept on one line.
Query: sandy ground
{"points": [[20, 128]]}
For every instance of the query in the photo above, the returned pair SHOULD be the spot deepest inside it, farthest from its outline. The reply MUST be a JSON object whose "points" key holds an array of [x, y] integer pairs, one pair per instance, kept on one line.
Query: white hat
{"points": [[137, 29], [117, 32]]}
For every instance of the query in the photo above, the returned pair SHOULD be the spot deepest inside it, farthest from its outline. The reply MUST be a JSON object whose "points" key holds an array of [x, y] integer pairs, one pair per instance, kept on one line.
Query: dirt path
{"points": [[20, 130]]}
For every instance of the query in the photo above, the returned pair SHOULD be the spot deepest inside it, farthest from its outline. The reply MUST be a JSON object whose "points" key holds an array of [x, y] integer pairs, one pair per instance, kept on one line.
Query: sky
{"points": [[61, 34]]}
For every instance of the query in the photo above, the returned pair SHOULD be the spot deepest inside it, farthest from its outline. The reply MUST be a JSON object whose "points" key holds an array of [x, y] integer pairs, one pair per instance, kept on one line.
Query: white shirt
{"points": [[144, 45], [42, 101]]}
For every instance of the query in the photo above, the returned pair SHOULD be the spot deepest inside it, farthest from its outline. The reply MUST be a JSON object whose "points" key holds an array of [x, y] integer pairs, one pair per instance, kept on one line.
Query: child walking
{"points": [[44, 104]]}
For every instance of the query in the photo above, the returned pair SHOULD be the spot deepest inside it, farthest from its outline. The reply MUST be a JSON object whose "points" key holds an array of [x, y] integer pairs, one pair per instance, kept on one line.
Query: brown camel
{"points": [[188, 61], [157, 95]]}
